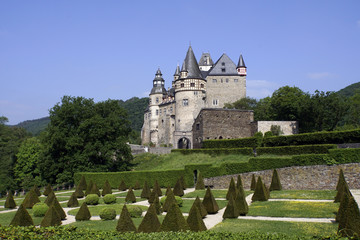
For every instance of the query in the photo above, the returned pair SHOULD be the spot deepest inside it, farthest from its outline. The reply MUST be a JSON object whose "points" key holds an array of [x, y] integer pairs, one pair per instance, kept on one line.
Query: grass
{"points": [[304, 194], [95, 210], [294, 209], [5, 218], [187, 204], [216, 193], [291, 228]]}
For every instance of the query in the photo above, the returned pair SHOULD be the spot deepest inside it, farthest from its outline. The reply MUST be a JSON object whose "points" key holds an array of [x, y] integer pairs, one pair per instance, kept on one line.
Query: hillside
{"points": [[36, 126], [350, 90]]}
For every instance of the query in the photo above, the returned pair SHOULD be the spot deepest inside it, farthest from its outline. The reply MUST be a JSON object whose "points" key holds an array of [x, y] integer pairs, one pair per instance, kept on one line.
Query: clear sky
{"points": [[112, 49]]}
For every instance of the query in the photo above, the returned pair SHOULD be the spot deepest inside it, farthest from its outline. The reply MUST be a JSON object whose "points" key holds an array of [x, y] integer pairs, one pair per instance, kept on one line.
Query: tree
{"points": [[85, 136], [246, 103], [26, 171]]}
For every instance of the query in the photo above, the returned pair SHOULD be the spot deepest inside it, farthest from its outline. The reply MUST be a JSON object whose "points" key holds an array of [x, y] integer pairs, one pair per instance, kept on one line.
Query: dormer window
{"points": [[222, 69]]}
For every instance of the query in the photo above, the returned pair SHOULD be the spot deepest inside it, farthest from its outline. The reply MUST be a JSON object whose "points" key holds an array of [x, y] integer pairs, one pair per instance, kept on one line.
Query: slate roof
{"points": [[158, 88], [206, 60], [177, 71], [223, 67], [191, 65], [241, 62]]}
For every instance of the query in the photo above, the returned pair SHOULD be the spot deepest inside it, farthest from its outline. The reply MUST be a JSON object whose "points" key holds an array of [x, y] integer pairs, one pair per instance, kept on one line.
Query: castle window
{"points": [[223, 70], [171, 109], [185, 102], [227, 80], [192, 84], [157, 112], [202, 85], [160, 112], [195, 92], [164, 110], [222, 81], [157, 100], [222, 64], [236, 80], [181, 85], [198, 126], [214, 81], [215, 102], [149, 100]]}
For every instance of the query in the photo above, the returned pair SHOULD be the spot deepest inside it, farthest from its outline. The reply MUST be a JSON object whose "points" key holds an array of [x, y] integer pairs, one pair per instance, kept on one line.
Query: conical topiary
{"points": [[275, 181], [152, 196], [95, 190], [157, 204], [168, 189], [157, 188], [130, 196], [59, 209], [122, 186], [89, 187], [231, 210], [30, 199], [200, 185], [182, 181], [174, 220], [260, 193], [210, 203], [51, 218], [178, 189], [195, 221], [48, 189], [145, 193], [352, 226], [239, 182], [125, 223], [341, 180], [170, 199], [82, 184], [79, 192], [10, 202], [22, 218], [253, 183], [49, 198], [231, 189], [137, 186], [83, 214], [73, 202], [343, 188], [150, 222], [106, 188], [240, 202], [36, 190], [200, 206], [341, 214], [267, 191]]}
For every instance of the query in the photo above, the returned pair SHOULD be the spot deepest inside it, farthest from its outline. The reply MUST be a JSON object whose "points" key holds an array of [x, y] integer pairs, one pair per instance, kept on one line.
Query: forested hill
{"points": [[135, 107], [350, 90]]}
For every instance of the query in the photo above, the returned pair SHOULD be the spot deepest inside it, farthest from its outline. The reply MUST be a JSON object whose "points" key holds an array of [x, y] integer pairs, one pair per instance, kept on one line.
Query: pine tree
{"points": [[51, 218], [106, 188], [36, 190], [30, 199], [95, 190], [174, 220], [125, 223], [170, 199], [194, 220], [122, 186], [200, 185], [275, 181], [82, 184], [88, 188], [22, 217], [73, 202], [145, 193], [10, 202], [260, 193], [231, 210], [79, 192], [210, 203], [239, 182], [253, 183], [48, 189], [178, 189], [130, 196], [157, 188], [240, 202], [231, 189], [83, 214], [200, 206], [150, 222]]}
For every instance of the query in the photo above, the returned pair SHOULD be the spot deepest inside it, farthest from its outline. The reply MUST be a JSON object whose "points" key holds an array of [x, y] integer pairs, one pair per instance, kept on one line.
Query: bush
{"points": [[108, 213], [216, 151], [231, 143], [92, 199], [135, 211], [296, 150], [51, 218], [22, 217], [268, 134], [40, 209], [83, 214], [178, 200], [109, 199]]}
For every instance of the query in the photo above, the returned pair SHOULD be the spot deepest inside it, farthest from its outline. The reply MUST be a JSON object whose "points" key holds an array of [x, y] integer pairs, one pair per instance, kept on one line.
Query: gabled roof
{"points": [[191, 65], [241, 62], [224, 66]]}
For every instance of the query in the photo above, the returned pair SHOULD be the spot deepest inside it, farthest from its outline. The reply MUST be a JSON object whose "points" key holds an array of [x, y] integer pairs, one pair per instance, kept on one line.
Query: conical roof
{"points": [[241, 62], [191, 65], [158, 83], [177, 71]]}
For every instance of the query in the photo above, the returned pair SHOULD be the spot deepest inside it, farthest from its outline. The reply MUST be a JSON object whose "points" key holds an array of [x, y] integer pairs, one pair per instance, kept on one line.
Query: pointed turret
{"points": [[241, 68], [191, 65], [177, 73]]}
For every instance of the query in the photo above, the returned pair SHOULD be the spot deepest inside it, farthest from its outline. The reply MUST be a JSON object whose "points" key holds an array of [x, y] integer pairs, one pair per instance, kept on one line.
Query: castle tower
{"points": [[205, 62], [241, 68], [189, 98]]}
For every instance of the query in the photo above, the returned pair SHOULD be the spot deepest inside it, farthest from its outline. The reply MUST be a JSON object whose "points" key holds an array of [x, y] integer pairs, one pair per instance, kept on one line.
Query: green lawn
{"points": [[5, 218], [290, 228], [294, 209], [95, 210], [216, 193], [304, 194], [187, 204]]}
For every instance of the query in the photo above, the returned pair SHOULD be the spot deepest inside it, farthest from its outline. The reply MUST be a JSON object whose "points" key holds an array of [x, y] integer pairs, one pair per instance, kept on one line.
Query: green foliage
{"points": [[145, 193], [275, 181], [157, 188], [194, 220], [9, 202], [174, 220], [92, 199], [78, 192], [30, 199], [36, 190], [178, 189], [48, 189], [108, 214], [82, 184], [200, 182], [152, 196], [341, 214], [209, 202], [231, 210], [150, 222], [231, 190], [125, 223], [231, 143], [106, 188], [268, 134], [79, 130], [197, 203], [240, 201], [122, 186], [59, 209], [179, 201], [95, 190], [341, 180], [73, 202], [352, 221], [36, 126], [246, 103], [22, 217], [51, 218], [296, 150], [83, 214], [239, 183], [135, 108], [216, 151], [40, 209], [157, 205], [89, 187], [135, 211], [253, 182], [130, 196], [50, 198], [276, 130], [167, 201], [109, 199], [343, 188], [260, 193]]}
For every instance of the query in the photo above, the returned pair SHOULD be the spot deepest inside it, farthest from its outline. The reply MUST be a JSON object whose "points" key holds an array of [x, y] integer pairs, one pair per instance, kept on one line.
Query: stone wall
{"points": [[320, 177], [287, 127]]}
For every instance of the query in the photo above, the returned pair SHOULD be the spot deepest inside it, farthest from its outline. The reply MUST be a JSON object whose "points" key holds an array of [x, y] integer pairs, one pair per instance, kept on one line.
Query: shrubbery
{"points": [[251, 142], [134, 211], [296, 150], [216, 151], [39, 209], [92, 199], [107, 214], [109, 199], [178, 200]]}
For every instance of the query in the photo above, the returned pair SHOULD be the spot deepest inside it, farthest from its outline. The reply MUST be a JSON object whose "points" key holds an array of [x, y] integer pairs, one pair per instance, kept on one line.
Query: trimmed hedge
{"points": [[217, 151], [251, 142], [296, 150], [335, 137]]}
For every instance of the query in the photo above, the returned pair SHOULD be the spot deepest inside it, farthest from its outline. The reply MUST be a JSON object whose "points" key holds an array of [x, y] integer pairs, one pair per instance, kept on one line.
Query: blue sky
{"points": [[112, 49]]}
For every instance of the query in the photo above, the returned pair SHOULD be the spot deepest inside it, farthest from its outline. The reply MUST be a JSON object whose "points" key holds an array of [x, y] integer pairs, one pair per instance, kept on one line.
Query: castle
{"points": [[169, 118]]}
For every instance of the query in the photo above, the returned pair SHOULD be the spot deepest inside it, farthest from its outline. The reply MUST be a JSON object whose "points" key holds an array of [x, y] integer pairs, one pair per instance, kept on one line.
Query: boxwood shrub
{"points": [[178, 199], [109, 199], [107, 214], [39, 209], [92, 199], [135, 211]]}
